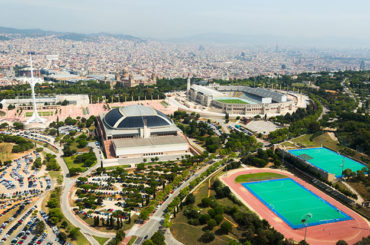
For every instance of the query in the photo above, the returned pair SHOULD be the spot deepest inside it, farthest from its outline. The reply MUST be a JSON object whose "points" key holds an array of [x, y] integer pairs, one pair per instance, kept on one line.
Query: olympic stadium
{"points": [[238, 100]]}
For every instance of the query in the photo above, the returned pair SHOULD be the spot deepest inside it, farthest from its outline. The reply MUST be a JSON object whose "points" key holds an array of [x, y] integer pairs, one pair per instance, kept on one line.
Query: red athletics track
{"points": [[351, 230]]}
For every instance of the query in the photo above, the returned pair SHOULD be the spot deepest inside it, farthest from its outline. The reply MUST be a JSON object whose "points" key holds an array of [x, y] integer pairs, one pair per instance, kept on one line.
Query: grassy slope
{"points": [[70, 164], [258, 176], [101, 240]]}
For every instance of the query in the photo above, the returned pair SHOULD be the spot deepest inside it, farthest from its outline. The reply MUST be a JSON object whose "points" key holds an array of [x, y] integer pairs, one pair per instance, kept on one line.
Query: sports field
{"points": [[232, 101], [292, 202], [327, 160]]}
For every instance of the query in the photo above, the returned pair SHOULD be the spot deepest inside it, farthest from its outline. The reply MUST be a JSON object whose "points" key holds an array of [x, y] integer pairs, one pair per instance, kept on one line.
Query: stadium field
{"points": [[232, 101], [292, 203], [327, 160]]}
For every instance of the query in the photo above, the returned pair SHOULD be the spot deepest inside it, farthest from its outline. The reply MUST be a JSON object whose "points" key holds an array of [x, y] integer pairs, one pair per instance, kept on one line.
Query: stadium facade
{"points": [[240, 100], [138, 131]]}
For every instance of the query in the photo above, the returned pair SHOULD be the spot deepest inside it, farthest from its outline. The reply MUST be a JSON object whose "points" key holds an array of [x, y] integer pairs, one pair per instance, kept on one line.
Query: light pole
{"points": [[342, 165], [304, 222]]}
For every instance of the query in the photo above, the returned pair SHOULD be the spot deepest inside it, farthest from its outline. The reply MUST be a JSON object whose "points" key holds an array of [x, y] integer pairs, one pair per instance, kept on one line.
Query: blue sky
{"points": [[173, 18]]}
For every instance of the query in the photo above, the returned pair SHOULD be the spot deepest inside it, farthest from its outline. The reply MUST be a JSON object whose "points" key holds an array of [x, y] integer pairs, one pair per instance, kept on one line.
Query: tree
{"points": [[82, 143], [158, 238], [347, 173], [341, 242], [120, 235], [303, 242], [40, 227], [148, 242], [190, 199], [204, 218], [62, 236], [211, 224], [74, 233], [18, 125], [140, 166], [206, 202], [207, 237], [226, 227]]}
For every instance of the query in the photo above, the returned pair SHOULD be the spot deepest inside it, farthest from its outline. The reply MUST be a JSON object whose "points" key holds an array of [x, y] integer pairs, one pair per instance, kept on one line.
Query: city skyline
{"points": [[318, 23]]}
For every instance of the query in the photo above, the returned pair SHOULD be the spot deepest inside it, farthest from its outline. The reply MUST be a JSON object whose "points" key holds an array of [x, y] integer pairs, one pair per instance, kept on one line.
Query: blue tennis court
{"points": [[327, 160]]}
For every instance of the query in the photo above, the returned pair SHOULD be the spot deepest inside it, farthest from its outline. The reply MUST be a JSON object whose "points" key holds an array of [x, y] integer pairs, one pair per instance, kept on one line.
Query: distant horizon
{"points": [[330, 20], [232, 39]]}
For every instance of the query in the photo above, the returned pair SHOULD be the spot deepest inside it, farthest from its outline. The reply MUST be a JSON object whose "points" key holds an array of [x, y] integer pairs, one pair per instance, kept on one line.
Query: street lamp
{"points": [[342, 165], [304, 222]]}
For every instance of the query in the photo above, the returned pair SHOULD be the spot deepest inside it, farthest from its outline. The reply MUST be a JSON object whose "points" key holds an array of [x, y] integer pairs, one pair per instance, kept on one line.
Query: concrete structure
{"points": [[254, 101], [75, 99], [139, 131], [134, 79]]}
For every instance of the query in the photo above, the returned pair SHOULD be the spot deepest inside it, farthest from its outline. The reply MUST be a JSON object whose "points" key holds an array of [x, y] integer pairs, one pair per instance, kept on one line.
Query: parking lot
{"points": [[18, 180]]}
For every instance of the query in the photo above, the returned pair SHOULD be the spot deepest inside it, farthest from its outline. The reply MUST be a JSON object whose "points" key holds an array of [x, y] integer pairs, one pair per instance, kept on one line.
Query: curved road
{"points": [[68, 183]]}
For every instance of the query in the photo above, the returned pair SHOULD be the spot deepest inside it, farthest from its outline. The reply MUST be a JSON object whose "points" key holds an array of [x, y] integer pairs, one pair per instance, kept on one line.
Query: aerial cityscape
{"points": [[212, 122]]}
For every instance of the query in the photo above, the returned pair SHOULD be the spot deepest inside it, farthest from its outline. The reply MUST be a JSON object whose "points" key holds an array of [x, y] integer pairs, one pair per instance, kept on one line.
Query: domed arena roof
{"points": [[134, 116]]}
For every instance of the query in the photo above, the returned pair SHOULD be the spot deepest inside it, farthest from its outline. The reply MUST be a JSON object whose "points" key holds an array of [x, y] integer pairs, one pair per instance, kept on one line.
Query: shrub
{"points": [[207, 237], [226, 227]]}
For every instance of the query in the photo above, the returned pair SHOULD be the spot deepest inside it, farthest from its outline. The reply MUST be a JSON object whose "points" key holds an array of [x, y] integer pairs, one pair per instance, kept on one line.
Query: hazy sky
{"points": [[173, 18]]}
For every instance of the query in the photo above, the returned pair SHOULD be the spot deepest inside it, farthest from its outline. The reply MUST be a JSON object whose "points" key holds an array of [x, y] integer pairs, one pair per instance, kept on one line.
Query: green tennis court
{"points": [[327, 160], [292, 202]]}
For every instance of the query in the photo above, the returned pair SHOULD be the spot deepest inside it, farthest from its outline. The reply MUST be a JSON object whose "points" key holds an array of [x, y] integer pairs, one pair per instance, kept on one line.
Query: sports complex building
{"points": [[241, 100], [137, 131]]}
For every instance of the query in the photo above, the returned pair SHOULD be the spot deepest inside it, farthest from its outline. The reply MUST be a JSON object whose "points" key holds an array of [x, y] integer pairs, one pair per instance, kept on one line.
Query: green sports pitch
{"points": [[327, 160], [232, 101], [293, 203]]}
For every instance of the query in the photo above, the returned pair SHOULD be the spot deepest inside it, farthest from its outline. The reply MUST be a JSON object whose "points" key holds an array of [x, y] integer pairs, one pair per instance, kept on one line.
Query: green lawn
{"points": [[119, 166], [41, 113], [57, 175], [132, 240], [101, 240], [232, 101], [164, 103], [257, 177], [74, 144], [70, 164]]}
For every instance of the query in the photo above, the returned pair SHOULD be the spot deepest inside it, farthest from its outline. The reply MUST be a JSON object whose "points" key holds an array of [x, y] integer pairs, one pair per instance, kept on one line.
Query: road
{"points": [[352, 95], [68, 183], [154, 223]]}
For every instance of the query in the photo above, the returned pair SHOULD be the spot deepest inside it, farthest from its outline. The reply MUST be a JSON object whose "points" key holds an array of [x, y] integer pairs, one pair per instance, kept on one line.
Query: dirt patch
{"points": [[333, 137]]}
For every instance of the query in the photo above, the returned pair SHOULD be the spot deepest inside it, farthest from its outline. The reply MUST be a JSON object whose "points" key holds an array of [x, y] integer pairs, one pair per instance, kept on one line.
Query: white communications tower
{"points": [[32, 81]]}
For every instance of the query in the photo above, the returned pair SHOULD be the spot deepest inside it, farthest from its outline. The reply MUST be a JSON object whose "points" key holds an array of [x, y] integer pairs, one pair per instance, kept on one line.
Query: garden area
{"points": [[80, 163], [114, 198], [67, 232]]}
